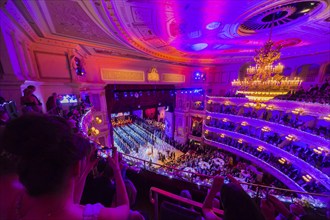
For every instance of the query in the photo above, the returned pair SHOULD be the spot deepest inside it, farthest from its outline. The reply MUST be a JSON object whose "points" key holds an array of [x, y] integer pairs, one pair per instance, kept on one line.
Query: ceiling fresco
{"points": [[213, 31], [188, 31]]}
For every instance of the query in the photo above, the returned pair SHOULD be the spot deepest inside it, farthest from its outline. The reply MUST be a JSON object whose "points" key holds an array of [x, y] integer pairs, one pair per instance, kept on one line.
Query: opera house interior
{"points": [[165, 109]]}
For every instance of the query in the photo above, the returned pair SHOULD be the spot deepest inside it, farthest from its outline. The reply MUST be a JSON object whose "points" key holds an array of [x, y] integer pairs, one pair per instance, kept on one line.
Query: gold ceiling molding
{"points": [[122, 75], [173, 78]]}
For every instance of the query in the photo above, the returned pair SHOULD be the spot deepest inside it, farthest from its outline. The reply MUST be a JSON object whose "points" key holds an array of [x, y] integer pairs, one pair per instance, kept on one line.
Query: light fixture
{"points": [[270, 107], [297, 111], [225, 120], [265, 129], [244, 123], [240, 141], [199, 46], [227, 103], [265, 81], [213, 25], [260, 148], [222, 135], [318, 150], [282, 160], [290, 137], [327, 117], [307, 178], [98, 120]]}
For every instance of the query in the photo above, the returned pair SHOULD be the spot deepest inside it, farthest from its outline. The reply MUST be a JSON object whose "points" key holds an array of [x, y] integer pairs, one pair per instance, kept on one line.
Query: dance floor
{"points": [[149, 151]]}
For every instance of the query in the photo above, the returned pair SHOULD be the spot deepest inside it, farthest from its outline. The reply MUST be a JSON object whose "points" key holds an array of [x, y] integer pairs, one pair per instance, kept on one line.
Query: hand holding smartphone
{"points": [[104, 152]]}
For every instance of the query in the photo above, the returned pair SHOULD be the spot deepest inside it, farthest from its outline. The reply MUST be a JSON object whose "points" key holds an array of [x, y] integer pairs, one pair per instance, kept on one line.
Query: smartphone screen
{"points": [[102, 154]]}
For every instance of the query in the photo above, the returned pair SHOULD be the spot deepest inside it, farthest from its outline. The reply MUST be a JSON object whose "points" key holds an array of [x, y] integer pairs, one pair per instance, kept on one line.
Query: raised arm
{"points": [[122, 202], [207, 205]]}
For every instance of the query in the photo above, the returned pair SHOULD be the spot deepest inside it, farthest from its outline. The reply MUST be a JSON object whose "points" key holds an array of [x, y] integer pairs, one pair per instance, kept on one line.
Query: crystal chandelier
{"points": [[264, 81]]}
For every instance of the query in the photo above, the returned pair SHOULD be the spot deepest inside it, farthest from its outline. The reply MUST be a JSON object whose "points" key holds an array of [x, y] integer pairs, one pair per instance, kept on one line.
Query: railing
{"points": [[311, 108], [193, 177], [303, 135], [299, 162], [154, 199]]}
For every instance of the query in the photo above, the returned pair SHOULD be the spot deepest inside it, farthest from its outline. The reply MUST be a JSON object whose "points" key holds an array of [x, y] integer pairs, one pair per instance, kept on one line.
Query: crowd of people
{"points": [[315, 94], [293, 172], [44, 165], [202, 161], [305, 152], [237, 204], [50, 171], [276, 116], [211, 161], [133, 139]]}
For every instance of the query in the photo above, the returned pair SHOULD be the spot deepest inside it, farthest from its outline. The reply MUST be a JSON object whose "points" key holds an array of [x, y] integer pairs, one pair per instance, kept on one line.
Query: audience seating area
{"points": [[319, 93], [201, 163], [294, 119], [316, 158]]}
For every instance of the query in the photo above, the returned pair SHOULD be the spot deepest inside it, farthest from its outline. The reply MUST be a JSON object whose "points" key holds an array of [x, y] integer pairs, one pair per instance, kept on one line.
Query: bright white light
{"points": [[213, 25], [305, 10], [199, 46]]}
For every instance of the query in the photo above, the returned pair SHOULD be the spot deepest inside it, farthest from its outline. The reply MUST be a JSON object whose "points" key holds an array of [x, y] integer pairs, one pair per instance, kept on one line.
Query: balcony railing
{"points": [[322, 177], [205, 180]]}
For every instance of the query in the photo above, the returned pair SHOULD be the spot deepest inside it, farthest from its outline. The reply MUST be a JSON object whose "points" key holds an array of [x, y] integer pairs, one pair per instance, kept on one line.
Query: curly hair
{"points": [[47, 149]]}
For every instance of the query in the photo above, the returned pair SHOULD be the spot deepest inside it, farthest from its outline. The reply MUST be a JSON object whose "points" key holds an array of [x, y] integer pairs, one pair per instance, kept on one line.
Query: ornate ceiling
{"points": [[183, 31]]}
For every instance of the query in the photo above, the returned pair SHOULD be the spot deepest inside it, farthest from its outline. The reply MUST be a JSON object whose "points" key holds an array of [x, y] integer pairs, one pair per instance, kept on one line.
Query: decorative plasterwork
{"points": [[11, 11], [52, 66], [70, 20], [204, 32], [153, 75], [122, 75], [173, 78]]}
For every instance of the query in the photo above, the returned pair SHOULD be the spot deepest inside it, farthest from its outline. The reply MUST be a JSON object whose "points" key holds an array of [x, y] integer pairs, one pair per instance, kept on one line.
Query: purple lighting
{"points": [[213, 25], [199, 46], [199, 75]]}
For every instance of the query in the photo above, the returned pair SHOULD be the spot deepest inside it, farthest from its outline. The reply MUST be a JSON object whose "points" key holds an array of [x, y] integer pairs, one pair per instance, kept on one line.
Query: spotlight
{"points": [[79, 69]]}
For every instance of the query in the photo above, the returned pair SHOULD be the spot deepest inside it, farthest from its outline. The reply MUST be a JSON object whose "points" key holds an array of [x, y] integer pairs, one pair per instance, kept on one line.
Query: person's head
{"points": [[4, 117], [49, 152], [237, 204], [186, 194], [27, 92], [32, 88]]}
